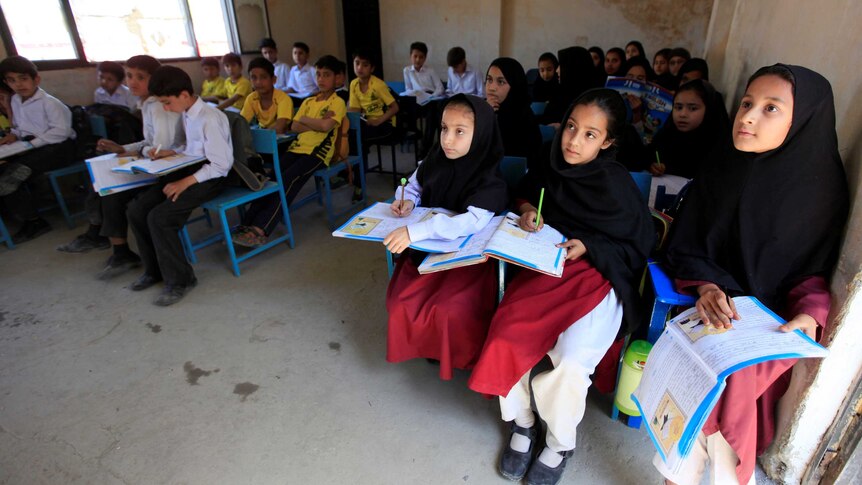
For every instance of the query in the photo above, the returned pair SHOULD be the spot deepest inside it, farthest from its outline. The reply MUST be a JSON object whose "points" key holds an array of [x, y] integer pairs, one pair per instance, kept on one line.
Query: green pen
{"points": [[657, 159], [403, 189], [539, 212]]}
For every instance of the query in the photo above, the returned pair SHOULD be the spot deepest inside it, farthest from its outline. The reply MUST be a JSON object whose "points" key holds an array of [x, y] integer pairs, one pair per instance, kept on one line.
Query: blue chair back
{"points": [[538, 107], [548, 133], [644, 181], [98, 126], [397, 86], [356, 124], [514, 169]]}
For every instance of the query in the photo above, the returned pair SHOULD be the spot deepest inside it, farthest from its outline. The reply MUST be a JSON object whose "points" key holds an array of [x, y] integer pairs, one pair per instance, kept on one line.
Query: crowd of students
{"points": [[763, 216]]}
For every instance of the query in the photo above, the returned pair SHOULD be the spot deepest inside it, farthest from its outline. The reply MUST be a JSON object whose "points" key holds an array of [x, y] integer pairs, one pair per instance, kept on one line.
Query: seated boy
{"points": [[462, 78], [111, 89], [301, 83], [317, 122], [237, 86], [418, 76], [213, 89], [157, 215], [269, 51], [46, 123], [272, 107]]}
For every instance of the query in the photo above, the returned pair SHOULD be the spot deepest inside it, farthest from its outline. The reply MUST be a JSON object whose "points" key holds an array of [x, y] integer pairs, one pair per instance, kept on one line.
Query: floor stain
{"points": [[334, 346], [245, 389], [154, 328], [194, 373]]}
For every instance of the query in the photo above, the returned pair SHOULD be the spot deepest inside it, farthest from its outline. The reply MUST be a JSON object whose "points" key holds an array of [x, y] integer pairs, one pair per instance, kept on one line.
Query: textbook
{"points": [[657, 101], [377, 221], [106, 181], [503, 239], [162, 166], [14, 148], [687, 368]]}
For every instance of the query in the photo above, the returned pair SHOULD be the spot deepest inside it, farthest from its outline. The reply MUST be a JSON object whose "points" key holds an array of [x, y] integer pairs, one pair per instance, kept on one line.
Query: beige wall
{"points": [[823, 36]]}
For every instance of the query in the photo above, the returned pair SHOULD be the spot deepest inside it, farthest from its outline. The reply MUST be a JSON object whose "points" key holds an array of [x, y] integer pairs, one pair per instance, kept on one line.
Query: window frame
{"points": [[81, 60]]}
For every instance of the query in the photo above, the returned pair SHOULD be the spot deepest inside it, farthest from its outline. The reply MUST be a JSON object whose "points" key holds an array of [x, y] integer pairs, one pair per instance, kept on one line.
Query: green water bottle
{"points": [[630, 376]]}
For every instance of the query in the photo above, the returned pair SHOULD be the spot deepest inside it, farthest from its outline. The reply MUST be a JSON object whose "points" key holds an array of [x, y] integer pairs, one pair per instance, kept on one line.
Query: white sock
{"points": [[519, 443], [550, 458]]}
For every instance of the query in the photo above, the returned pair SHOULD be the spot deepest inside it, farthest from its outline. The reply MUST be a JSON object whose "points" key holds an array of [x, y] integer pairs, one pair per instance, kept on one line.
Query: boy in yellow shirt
{"points": [[236, 85], [213, 90], [317, 122], [272, 107]]}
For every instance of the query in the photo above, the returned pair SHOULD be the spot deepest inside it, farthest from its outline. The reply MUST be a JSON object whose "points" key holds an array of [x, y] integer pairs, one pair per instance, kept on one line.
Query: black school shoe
{"points": [[541, 474], [85, 242], [174, 293], [118, 264], [144, 281], [514, 464], [31, 230]]}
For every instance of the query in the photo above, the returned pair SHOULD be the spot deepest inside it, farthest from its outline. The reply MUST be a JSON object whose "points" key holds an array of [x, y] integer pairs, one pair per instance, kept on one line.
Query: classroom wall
{"points": [[823, 36]]}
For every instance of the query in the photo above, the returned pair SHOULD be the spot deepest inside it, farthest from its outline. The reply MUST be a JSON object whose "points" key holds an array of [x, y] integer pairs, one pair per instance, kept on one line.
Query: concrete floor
{"points": [[275, 377]]}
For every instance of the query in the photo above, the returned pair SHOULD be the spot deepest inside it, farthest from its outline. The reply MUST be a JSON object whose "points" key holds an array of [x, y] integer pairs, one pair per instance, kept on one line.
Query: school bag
{"points": [[85, 140], [123, 126], [247, 170]]}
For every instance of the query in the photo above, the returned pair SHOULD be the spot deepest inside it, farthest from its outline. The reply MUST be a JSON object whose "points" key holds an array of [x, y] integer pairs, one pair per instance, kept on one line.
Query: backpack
{"points": [[85, 140], [123, 126], [247, 170]]}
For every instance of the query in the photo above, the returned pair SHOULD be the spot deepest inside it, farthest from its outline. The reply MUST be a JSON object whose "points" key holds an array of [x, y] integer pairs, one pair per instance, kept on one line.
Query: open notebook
{"points": [[14, 148], [503, 239], [162, 166], [106, 181]]}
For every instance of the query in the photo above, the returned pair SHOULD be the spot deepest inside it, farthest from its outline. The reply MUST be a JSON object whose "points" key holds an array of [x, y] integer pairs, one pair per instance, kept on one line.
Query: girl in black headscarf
{"points": [[694, 68], [598, 56], [765, 218], [593, 201], [697, 126], [445, 315], [635, 48], [547, 85], [506, 92], [614, 60], [661, 66], [577, 74]]}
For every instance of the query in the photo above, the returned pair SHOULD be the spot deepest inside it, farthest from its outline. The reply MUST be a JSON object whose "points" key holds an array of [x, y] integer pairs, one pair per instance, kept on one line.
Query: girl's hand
{"points": [[656, 169], [803, 322], [574, 249], [713, 307], [634, 101], [155, 155], [493, 101], [105, 145], [527, 221], [397, 241], [402, 210]]}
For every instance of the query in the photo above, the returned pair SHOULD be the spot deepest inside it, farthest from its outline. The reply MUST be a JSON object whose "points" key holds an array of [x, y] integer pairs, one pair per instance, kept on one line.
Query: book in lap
{"points": [[106, 181], [377, 221], [687, 368], [162, 166], [14, 148], [503, 239]]}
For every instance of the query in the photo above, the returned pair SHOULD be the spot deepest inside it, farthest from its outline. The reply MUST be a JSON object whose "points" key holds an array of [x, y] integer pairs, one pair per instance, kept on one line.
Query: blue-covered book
{"points": [[687, 369]]}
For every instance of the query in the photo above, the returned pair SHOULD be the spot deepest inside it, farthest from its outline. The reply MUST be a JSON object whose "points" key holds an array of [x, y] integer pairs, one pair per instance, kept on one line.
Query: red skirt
{"points": [[536, 309], [443, 316]]}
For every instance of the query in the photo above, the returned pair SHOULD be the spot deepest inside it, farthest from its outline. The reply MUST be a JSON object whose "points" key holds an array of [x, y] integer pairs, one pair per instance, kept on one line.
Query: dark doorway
{"points": [[362, 30]]}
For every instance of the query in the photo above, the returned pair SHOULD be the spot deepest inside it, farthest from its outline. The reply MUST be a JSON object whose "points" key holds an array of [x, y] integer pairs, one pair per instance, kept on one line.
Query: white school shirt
{"points": [[302, 81], [42, 116], [121, 97], [208, 135], [282, 75], [442, 226], [424, 79], [468, 83], [161, 128]]}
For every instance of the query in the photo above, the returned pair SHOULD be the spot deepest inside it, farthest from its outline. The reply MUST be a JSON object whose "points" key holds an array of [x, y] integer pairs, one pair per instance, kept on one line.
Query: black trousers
{"points": [[114, 221], [40, 160], [156, 222]]}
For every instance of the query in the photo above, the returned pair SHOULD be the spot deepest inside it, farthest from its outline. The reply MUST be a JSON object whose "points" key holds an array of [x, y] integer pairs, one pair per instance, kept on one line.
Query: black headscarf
{"points": [[518, 126], [622, 55], [758, 223], [641, 51], [683, 153], [638, 61], [598, 50], [577, 74], [598, 203], [473, 179], [547, 90]]}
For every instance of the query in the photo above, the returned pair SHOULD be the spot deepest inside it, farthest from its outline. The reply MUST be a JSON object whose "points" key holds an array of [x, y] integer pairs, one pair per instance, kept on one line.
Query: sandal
{"points": [[248, 238]]}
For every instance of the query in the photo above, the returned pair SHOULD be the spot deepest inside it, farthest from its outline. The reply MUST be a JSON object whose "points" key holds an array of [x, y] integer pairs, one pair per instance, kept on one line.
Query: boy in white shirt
{"points": [[269, 51], [462, 78], [418, 76], [301, 83], [158, 214], [45, 123], [111, 89]]}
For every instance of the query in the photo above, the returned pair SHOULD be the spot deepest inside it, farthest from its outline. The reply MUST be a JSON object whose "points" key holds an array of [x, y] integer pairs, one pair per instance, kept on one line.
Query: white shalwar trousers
{"points": [[707, 450], [561, 393]]}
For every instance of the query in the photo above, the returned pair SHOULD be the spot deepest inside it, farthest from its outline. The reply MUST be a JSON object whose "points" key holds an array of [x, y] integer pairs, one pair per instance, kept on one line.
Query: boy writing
{"points": [[46, 123], [269, 51], [157, 215], [462, 78], [111, 89], [213, 89], [272, 107], [301, 81], [317, 122], [237, 87]]}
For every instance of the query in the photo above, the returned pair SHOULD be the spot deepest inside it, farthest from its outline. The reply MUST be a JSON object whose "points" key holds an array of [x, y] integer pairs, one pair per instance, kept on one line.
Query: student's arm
{"points": [[412, 196], [808, 303], [283, 113], [247, 111], [59, 124], [229, 101], [438, 84], [408, 80], [448, 228], [480, 84], [217, 149], [353, 100], [391, 107], [317, 124], [292, 85]]}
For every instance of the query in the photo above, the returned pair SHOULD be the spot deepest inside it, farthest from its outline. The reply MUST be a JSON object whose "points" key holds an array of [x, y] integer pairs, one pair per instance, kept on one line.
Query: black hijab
{"points": [[473, 179], [638, 61], [758, 223], [577, 74], [598, 203], [622, 55], [641, 51], [683, 153], [518, 126]]}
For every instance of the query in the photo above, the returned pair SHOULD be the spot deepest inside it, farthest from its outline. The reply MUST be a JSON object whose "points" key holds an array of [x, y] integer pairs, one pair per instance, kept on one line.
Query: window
{"points": [[77, 32]]}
